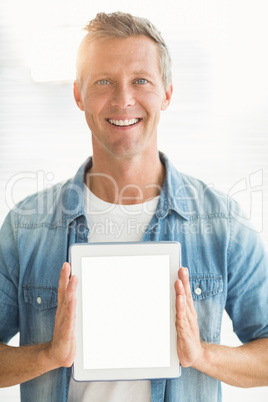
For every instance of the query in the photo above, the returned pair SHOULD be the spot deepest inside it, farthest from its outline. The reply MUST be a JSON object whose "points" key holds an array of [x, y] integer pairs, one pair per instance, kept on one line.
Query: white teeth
{"points": [[123, 122]]}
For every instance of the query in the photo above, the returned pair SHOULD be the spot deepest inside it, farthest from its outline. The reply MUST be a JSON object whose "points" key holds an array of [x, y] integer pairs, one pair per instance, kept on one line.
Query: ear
{"points": [[167, 98], [77, 96]]}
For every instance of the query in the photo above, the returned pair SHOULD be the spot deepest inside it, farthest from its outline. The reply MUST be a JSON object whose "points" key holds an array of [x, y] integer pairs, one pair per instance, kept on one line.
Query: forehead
{"points": [[109, 54]]}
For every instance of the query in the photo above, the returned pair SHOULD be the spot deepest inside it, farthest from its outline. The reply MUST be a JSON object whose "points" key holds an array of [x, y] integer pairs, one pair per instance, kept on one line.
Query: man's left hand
{"points": [[188, 341]]}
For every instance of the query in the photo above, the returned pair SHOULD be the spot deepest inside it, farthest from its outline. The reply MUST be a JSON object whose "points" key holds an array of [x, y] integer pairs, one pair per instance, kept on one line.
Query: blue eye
{"points": [[103, 82], [141, 81]]}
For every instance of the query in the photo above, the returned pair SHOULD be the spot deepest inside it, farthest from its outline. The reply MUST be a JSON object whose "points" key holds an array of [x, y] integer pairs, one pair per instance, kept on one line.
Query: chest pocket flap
{"points": [[41, 297], [205, 285], [40, 303]]}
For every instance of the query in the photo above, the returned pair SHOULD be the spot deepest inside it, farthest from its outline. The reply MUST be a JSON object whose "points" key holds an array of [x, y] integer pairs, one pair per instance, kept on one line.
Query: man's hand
{"points": [[189, 346], [243, 366], [20, 364], [62, 346]]}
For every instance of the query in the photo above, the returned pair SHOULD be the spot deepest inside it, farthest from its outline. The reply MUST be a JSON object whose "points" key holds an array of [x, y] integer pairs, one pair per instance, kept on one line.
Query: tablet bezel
{"points": [[80, 250]]}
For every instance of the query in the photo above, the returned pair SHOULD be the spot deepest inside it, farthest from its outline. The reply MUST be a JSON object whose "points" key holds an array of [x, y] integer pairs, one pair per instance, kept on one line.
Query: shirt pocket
{"points": [[207, 293], [41, 304]]}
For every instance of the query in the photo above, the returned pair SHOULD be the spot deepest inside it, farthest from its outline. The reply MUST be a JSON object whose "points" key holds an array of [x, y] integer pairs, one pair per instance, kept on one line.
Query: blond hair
{"points": [[124, 25]]}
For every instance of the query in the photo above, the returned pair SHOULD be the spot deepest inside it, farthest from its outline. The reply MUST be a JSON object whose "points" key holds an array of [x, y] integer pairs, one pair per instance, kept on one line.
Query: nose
{"points": [[123, 96]]}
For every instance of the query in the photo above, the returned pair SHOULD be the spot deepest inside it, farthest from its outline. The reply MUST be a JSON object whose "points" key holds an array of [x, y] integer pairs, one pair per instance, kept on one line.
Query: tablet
{"points": [[125, 312]]}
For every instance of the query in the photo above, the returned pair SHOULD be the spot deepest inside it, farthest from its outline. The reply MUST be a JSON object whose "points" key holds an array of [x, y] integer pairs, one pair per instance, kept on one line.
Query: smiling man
{"points": [[120, 88], [121, 92], [123, 83]]}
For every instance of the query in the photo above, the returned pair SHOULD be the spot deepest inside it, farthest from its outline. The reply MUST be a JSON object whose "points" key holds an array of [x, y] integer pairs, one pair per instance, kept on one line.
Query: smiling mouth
{"points": [[123, 123]]}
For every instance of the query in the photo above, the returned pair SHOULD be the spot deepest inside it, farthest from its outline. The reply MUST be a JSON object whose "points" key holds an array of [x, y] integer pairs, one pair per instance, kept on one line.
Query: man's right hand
{"points": [[62, 346], [20, 364]]}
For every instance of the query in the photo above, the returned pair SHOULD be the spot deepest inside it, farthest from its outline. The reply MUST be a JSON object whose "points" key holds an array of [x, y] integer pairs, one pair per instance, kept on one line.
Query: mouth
{"points": [[123, 123]]}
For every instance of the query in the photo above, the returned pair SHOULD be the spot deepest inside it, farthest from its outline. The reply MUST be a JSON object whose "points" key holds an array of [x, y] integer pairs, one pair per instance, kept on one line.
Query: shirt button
{"points": [[198, 291], [161, 214], [39, 300]]}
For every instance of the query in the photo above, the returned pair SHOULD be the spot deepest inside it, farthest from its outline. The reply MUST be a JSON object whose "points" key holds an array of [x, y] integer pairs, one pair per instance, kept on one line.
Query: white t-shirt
{"points": [[114, 223]]}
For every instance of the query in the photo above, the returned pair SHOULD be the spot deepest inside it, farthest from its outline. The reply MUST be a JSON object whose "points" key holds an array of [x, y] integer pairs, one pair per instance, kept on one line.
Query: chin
{"points": [[127, 151]]}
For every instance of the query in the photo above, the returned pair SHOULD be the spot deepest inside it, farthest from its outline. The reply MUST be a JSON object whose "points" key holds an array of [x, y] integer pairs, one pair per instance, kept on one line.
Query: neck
{"points": [[126, 181]]}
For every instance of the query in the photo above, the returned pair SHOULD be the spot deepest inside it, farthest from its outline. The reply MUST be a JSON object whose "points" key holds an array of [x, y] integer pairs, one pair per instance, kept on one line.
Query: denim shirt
{"points": [[225, 257]]}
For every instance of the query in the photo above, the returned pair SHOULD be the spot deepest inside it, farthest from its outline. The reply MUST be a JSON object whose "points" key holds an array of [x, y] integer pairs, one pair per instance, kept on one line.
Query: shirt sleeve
{"points": [[247, 297], [9, 277]]}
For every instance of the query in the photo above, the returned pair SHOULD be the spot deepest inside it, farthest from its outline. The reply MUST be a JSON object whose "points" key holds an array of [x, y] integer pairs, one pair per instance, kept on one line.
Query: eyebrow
{"points": [[137, 73], [99, 76]]}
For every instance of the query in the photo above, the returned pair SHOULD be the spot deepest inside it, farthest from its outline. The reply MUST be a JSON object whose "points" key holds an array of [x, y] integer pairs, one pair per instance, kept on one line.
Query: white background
{"points": [[215, 129]]}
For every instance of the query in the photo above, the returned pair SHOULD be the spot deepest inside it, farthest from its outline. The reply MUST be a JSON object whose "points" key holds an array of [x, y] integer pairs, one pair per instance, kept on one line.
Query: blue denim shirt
{"points": [[225, 257]]}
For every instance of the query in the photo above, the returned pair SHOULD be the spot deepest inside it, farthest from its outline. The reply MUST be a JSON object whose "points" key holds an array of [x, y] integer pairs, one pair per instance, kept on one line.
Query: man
{"points": [[123, 83]]}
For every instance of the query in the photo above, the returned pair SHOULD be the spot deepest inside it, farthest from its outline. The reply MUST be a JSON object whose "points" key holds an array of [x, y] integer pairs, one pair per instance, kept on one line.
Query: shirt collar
{"points": [[174, 192], [73, 194], [173, 195]]}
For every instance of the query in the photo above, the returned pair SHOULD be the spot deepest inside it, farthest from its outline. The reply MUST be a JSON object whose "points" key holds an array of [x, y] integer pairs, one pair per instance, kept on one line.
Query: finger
{"points": [[189, 303], [71, 288], [65, 316], [184, 277], [70, 303], [70, 291], [63, 283], [182, 322], [180, 299]]}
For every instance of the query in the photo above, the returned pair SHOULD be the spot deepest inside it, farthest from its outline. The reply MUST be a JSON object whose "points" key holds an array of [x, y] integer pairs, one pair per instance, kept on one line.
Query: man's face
{"points": [[122, 94]]}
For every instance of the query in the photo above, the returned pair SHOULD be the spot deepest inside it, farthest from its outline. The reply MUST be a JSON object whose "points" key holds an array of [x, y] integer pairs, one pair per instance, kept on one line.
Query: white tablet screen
{"points": [[124, 325]]}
